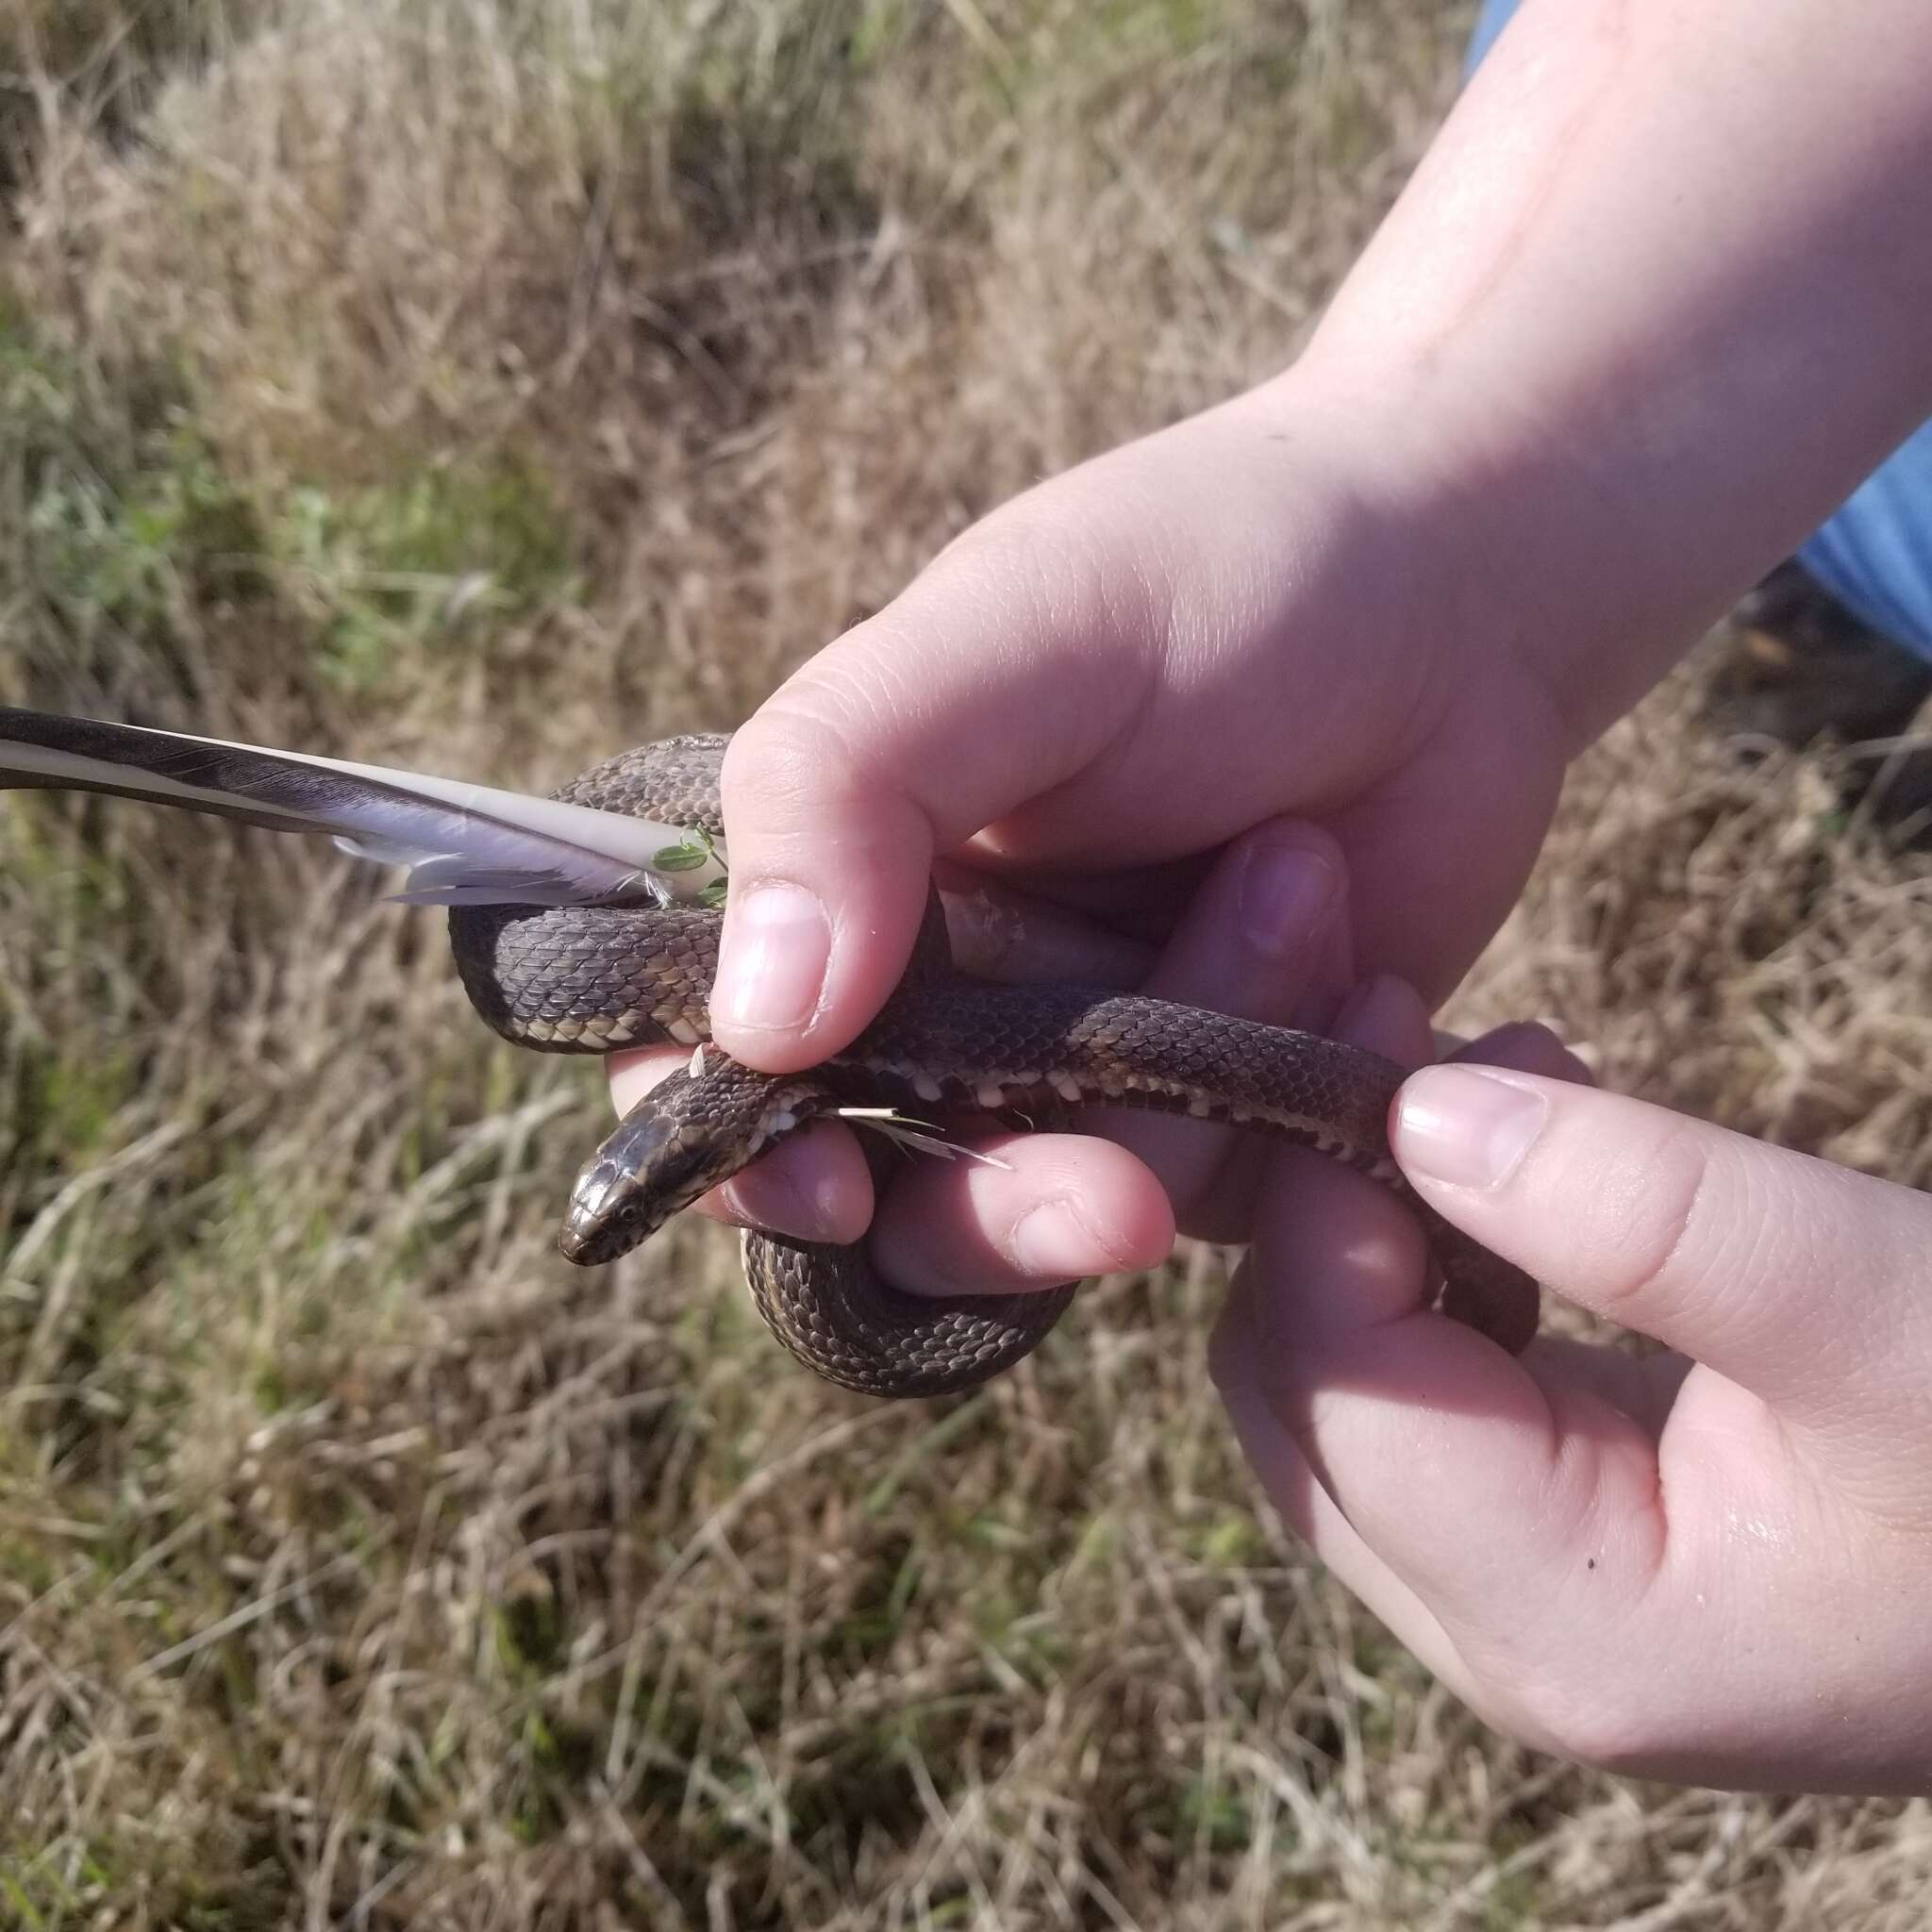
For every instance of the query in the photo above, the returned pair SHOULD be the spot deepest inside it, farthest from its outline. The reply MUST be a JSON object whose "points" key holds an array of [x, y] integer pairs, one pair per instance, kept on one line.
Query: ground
{"points": [[479, 386]]}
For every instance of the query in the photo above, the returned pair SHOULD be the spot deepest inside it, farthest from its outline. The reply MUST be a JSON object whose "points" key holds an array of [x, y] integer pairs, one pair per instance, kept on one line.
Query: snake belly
{"points": [[598, 978]]}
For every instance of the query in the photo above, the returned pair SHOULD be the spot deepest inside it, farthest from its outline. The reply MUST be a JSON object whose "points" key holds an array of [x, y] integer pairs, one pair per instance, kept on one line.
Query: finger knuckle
{"points": [[1056, 570], [1654, 1221], [812, 767]]}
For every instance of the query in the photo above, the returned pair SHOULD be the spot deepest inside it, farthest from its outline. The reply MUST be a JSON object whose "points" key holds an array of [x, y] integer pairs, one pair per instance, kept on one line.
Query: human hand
{"points": [[1085, 700], [1393, 589], [1708, 1565]]}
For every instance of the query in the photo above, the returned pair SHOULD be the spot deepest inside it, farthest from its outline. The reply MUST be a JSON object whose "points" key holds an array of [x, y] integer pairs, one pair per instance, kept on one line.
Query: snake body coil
{"points": [[593, 979]]}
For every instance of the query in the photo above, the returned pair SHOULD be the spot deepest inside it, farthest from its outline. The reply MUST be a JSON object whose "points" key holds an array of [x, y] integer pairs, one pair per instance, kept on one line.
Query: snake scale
{"points": [[595, 978]]}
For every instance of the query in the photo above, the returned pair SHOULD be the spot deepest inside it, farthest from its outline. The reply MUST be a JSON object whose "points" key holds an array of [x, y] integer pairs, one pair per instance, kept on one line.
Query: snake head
{"points": [[653, 1166], [691, 1133]]}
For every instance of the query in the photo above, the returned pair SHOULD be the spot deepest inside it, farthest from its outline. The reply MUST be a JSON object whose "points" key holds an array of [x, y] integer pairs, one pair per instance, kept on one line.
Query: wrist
{"points": [[1522, 552], [1641, 321]]}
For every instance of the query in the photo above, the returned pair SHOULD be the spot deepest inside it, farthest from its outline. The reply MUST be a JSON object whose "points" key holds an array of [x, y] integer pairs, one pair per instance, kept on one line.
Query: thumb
{"points": [[1001, 672]]}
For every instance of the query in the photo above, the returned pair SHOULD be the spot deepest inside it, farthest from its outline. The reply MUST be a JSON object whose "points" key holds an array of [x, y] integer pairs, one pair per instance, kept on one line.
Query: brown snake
{"points": [[592, 979]]}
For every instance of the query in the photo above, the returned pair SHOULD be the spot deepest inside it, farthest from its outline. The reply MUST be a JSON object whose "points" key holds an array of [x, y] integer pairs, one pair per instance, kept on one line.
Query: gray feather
{"points": [[465, 844]]}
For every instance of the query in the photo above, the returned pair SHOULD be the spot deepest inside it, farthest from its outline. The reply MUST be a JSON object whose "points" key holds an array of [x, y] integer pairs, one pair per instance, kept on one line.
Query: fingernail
{"points": [[1052, 1240], [1285, 893], [1467, 1125], [771, 972]]}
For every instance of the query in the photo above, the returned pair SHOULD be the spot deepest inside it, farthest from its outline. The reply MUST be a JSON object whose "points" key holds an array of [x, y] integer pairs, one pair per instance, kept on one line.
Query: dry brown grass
{"points": [[473, 385]]}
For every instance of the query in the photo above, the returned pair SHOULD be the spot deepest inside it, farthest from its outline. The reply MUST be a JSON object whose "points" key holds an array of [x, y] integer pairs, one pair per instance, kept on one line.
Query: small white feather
{"points": [[921, 1137]]}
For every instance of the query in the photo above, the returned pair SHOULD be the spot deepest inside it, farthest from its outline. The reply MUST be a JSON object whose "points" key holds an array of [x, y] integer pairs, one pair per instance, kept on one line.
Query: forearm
{"points": [[1660, 296]]}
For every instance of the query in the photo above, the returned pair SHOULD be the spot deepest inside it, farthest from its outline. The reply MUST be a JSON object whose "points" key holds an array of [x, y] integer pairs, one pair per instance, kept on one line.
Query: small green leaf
{"points": [[714, 896], [685, 857]]}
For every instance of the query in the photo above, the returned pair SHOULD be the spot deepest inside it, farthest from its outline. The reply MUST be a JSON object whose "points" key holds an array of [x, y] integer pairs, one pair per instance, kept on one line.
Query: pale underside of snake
{"points": [[570, 953]]}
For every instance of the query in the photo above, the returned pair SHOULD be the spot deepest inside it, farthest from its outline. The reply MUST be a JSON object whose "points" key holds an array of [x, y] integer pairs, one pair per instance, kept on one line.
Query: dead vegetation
{"points": [[448, 381]]}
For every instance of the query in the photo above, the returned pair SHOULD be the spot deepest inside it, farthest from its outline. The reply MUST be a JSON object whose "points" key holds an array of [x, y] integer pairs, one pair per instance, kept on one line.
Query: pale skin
{"points": [[1275, 704]]}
